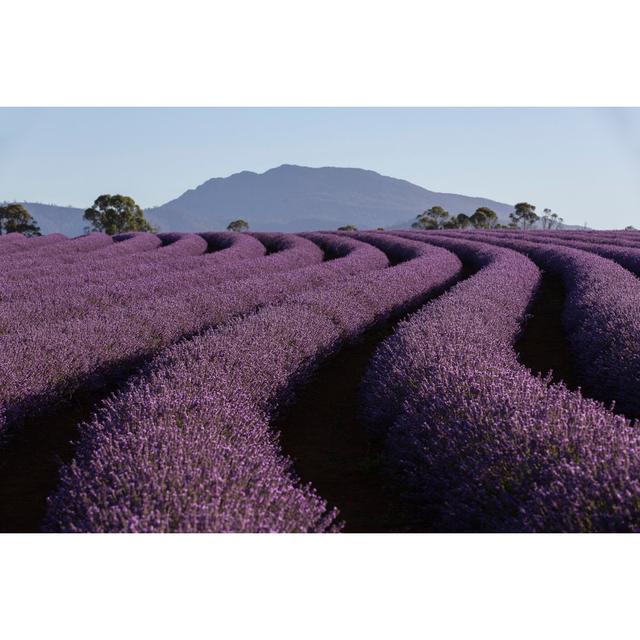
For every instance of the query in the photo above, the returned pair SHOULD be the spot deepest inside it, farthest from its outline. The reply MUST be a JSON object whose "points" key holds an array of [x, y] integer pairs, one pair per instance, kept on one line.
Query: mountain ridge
{"points": [[288, 198], [296, 198]]}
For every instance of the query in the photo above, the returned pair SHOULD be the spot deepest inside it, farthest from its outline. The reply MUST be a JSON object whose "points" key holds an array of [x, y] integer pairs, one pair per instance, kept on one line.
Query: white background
{"points": [[279, 52], [329, 52]]}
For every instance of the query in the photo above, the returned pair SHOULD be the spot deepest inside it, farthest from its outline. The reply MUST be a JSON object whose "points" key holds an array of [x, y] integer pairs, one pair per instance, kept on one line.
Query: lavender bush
{"points": [[601, 318], [204, 339], [475, 441], [625, 253], [187, 445], [46, 364]]}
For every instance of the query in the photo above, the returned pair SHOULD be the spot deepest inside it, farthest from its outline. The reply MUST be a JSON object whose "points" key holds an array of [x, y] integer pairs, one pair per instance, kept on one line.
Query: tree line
{"points": [[109, 214], [113, 214], [524, 217]]}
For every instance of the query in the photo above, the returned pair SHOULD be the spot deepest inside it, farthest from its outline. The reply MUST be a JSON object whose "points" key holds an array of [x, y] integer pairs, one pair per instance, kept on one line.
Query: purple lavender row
{"points": [[600, 318], [55, 246], [11, 237], [187, 445], [622, 237], [15, 244], [99, 255], [397, 252], [132, 258], [31, 243], [47, 364], [11, 243], [94, 293], [95, 247], [626, 254], [122, 245], [619, 238], [475, 441]]}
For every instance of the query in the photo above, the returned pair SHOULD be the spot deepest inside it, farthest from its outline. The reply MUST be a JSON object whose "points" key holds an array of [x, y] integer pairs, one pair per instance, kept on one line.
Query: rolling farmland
{"points": [[409, 381]]}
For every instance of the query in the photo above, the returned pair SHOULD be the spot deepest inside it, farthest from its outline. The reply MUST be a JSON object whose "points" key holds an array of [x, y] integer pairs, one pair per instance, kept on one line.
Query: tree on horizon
{"points": [[15, 218], [524, 215], [484, 218], [461, 221], [116, 214], [238, 225], [551, 220], [433, 218]]}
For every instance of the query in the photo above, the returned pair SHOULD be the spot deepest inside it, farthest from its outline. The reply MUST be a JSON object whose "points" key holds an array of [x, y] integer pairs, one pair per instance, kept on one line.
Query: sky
{"points": [[583, 163]]}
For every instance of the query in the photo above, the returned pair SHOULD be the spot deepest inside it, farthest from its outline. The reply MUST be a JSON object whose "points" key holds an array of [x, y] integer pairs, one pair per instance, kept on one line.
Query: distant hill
{"points": [[293, 198], [288, 198]]}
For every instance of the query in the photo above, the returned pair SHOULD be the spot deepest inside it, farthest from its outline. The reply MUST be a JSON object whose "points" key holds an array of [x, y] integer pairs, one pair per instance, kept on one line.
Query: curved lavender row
{"points": [[51, 303], [620, 238], [12, 243], [55, 270], [134, 258], [476, 441], [14, 247], [497, 266], [47, 364], [626, 255], [9, 249], [37, 242], [58, 250], [187, 445], [190, 244], [362, 253], [600, 317], [128, 243], [239, 246], [623, 238], [397, 252], [12, 237], [58, 247]]}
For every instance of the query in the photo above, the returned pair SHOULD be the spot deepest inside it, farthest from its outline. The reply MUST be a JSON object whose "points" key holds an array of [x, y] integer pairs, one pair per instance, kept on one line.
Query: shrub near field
{"points": [[205, 340]]}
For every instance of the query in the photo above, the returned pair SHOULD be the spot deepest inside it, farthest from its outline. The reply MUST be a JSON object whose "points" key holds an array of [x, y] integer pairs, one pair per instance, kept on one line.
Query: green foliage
{"points": [[15, 218], [238, 225], [484, 218], [551, 220], [116, 214], [524, 215], [461, 221], [348, 227], [433, 218]]}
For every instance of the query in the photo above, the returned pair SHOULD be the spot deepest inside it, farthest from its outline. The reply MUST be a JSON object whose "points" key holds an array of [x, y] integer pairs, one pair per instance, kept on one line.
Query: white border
{"points": [[334, 52], [297, 586]]}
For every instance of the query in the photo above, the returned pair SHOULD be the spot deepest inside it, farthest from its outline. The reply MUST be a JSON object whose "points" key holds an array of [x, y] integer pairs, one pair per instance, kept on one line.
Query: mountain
{"points": [[293, 198], [287, 198]]}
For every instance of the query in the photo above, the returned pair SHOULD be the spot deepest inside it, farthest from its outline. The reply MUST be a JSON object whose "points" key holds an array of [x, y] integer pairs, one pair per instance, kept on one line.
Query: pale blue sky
{"points": [[582, 163]]}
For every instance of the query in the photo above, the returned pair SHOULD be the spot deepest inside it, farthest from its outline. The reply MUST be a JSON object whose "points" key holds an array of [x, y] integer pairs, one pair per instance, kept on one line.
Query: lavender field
{"points": [[409, 381]]}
